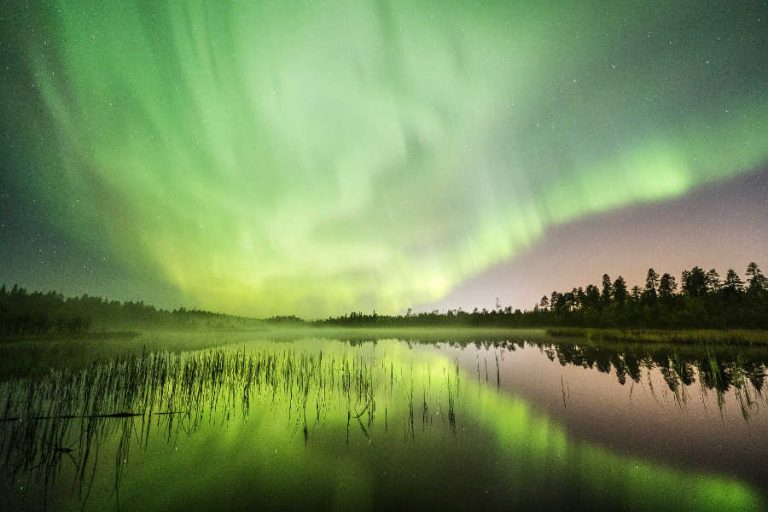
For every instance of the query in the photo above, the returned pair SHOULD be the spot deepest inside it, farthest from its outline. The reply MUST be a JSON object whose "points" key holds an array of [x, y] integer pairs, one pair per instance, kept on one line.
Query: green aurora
{"points": [[316, 157]]}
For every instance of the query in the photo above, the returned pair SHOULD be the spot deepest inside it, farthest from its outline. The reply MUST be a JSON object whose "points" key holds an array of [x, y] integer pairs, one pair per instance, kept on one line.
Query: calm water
{"points": [[329, 424]]}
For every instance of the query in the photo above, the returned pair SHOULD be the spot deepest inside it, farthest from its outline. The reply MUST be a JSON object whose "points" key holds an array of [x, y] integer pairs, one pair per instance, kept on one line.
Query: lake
{"points": [[317, 423]]}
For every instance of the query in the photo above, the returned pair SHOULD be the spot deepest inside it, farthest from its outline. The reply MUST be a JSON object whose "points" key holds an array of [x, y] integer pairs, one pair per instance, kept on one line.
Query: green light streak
{"points": [[312, 158]]}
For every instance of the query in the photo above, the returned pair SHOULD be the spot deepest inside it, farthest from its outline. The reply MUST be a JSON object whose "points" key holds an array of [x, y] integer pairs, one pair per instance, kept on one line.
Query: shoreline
{"points": [[746, 337]]}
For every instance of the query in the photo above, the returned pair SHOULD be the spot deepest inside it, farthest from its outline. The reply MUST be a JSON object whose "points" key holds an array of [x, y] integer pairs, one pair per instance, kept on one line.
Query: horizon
{"points": [[497, 306]]}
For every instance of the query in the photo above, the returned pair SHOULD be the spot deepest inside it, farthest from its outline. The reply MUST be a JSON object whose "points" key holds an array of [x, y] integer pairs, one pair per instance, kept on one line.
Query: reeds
{"points": [[65, 416]]}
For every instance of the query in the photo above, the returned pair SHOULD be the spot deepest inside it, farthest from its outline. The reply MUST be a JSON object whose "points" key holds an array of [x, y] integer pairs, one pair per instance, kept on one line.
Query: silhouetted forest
{"points": [[702, 299], [37, 313]]}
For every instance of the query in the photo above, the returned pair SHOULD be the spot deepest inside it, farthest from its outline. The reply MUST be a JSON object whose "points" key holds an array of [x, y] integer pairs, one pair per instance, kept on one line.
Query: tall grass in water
{"points": [[66, 416]]}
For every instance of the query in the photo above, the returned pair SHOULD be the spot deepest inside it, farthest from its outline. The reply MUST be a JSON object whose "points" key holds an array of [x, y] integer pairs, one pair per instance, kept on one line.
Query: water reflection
{"points": [[413, 407], [743, 374]]}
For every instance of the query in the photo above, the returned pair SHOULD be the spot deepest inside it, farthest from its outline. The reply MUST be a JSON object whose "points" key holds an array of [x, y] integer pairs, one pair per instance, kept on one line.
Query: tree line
{"points": [[44, 313], [700, 299]]}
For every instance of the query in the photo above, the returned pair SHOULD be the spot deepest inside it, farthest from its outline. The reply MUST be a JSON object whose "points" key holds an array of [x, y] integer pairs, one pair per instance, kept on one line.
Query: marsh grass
{"points": [[66, 416]]}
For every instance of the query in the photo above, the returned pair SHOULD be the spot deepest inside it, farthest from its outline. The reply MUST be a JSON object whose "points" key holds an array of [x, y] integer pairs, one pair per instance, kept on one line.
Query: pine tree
{"points": [[667, 287], [755, 278], [650, 293], [606, 293], [733, 283], [620, 291]]}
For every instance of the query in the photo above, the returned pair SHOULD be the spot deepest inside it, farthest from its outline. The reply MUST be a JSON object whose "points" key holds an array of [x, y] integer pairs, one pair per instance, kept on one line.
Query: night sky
{"points": [[314, 157]]}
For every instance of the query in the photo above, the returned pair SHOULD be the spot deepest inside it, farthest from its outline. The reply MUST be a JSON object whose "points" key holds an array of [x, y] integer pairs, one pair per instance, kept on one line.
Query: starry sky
{"points": [[315, 157]]}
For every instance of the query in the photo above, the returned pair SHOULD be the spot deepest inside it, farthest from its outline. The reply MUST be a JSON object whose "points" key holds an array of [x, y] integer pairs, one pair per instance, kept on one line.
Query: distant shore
{"points": [[669, 336]]}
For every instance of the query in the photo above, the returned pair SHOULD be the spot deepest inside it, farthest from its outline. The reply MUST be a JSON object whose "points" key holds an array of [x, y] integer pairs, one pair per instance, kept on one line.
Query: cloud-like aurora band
{"points": [[313, 158]]}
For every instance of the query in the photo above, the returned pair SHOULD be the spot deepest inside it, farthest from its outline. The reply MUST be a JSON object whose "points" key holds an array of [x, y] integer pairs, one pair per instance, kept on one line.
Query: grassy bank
{"points": [[688, 336]]}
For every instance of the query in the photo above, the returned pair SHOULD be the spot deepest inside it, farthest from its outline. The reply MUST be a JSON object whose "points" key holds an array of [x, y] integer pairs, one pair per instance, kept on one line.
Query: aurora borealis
{"points": [[315, 157]]}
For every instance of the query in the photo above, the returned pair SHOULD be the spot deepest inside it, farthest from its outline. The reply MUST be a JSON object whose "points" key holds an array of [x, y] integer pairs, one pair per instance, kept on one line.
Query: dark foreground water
{"points": [[320, 424]]}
